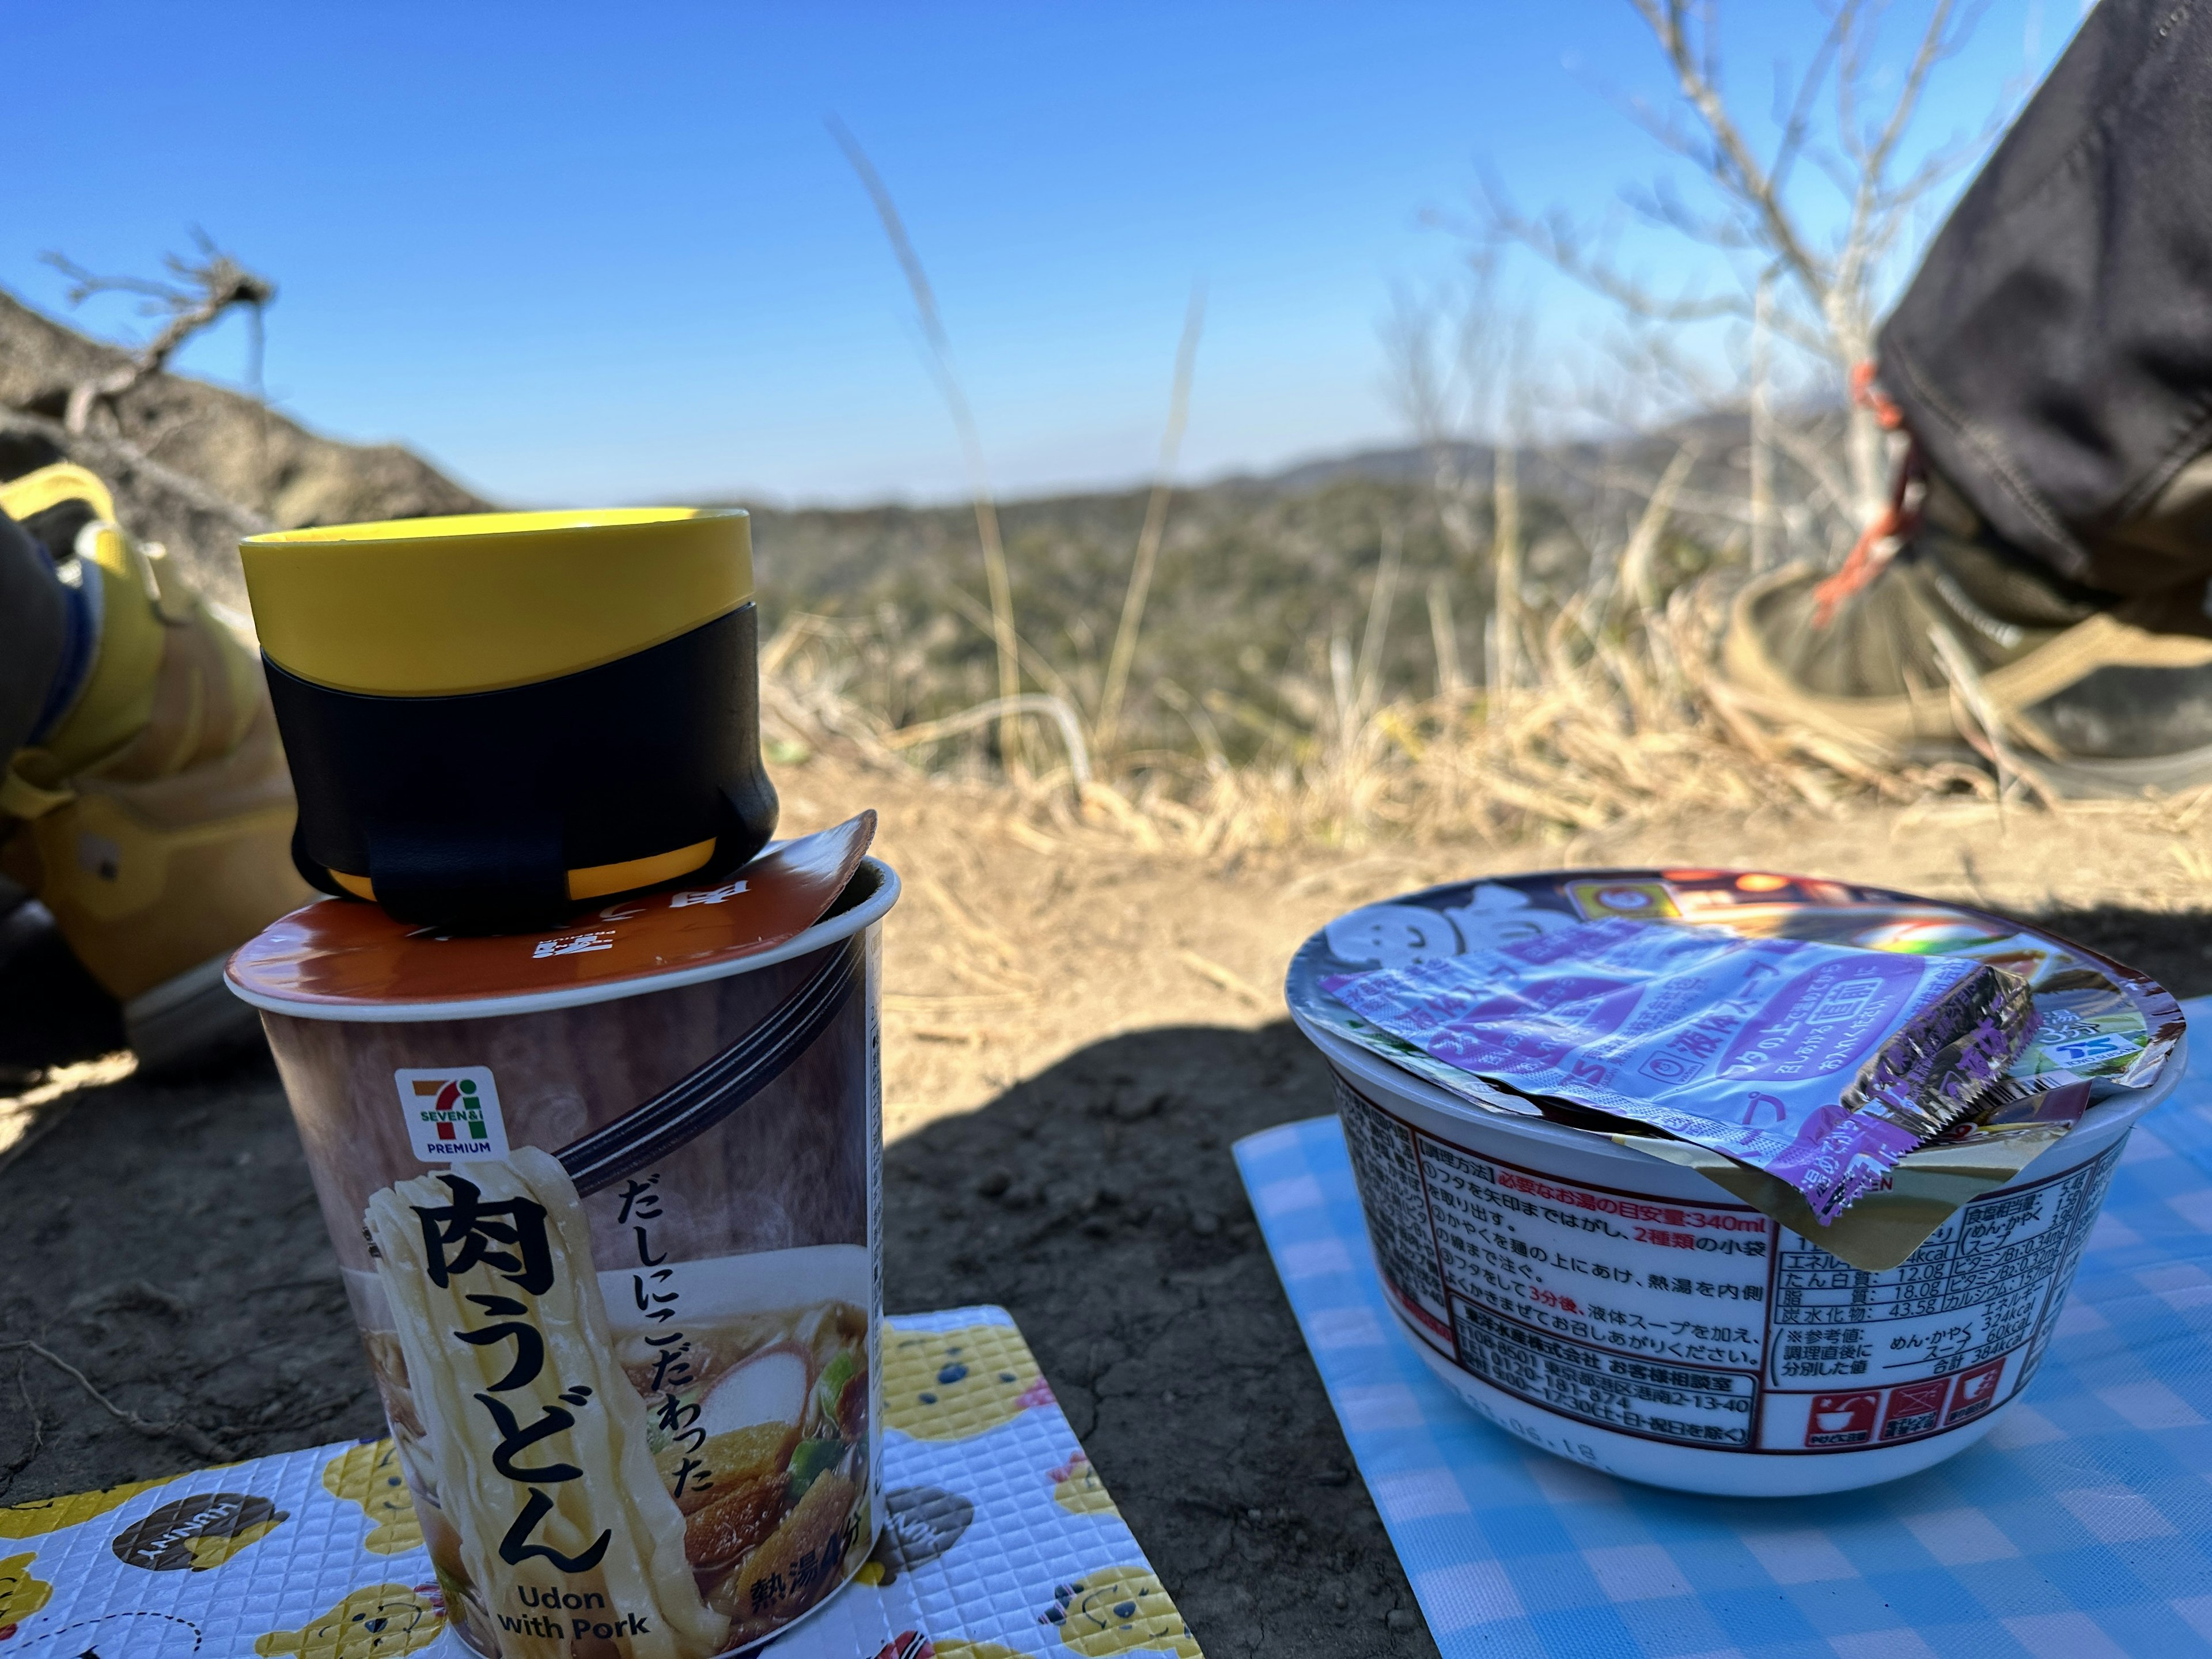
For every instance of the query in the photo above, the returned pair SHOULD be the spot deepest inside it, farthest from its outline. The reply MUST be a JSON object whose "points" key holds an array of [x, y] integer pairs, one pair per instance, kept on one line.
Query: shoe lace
{"points": [[1878, 543]]}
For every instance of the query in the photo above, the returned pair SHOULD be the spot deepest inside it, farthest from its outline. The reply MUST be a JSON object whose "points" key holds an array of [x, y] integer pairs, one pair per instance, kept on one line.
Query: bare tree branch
{"points": [[1869, 198], [1817, 459], [1557, 240], [1829, 311], [189, 1435], [204, 290], [1732, 164], [1797, 123]]}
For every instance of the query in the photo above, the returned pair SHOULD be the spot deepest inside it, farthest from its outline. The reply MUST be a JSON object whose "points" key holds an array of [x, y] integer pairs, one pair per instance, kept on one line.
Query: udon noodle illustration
{"points": [[578, 1497]]}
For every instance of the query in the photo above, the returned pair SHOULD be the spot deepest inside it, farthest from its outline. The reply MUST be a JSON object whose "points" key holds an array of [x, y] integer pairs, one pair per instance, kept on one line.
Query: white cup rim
{"points": [[828, 931]]}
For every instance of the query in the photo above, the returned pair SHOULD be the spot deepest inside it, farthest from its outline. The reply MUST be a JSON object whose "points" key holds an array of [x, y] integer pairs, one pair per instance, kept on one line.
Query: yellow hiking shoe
{"points": [[152, 813]]}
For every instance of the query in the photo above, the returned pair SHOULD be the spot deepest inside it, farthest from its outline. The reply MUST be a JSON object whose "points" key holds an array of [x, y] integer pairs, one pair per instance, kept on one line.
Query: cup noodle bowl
{"points": [[618, 1275], [1633, 1316]]}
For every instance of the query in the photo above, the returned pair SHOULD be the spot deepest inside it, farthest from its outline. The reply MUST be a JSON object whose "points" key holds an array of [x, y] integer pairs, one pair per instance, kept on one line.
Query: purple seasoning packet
{"points": [[1821, 1064]]}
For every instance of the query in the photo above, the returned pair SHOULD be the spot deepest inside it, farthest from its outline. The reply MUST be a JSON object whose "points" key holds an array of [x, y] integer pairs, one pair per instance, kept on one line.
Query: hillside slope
{"points": [[187, 432]]}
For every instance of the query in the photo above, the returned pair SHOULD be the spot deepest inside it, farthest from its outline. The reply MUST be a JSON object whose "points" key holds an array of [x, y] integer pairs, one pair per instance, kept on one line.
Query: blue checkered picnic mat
{"points": [[2081, 1528]]}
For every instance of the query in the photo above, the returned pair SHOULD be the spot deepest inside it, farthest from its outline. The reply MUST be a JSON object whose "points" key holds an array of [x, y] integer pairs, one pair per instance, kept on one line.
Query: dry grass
{"points": [[1596, 712], [1619, 716]]}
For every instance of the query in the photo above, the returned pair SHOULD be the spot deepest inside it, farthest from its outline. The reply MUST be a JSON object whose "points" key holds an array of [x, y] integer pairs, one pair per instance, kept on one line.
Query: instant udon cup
{"points": [[607, 1200], [1614, 1307]]}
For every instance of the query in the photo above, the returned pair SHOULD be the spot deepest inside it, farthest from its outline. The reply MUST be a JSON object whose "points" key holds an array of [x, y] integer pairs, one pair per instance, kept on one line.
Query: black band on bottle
{"points": [[469, 812]]}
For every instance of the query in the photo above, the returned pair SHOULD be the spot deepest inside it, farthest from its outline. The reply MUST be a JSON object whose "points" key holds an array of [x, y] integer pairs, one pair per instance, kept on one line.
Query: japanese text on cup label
{"points": [[1711, 1324]]}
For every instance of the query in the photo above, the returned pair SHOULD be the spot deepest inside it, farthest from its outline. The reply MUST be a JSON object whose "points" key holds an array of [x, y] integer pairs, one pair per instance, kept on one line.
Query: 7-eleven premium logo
{"points": [[452, 1111]]}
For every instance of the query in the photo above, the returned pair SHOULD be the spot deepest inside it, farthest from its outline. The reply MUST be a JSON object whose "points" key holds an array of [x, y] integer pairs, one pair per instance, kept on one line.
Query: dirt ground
{"points": [[1076, 1032]]}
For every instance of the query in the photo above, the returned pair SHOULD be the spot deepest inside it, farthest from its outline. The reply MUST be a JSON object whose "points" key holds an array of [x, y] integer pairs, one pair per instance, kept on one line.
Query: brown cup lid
{"points": [[343, 959]]}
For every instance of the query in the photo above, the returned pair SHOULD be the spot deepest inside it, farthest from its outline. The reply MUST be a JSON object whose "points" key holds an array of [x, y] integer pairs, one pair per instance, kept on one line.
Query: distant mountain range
{"points": [[191, 452]]}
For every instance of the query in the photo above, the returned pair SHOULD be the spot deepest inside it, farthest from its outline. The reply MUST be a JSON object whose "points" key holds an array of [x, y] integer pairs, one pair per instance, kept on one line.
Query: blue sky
{"points": [[587, 254]]}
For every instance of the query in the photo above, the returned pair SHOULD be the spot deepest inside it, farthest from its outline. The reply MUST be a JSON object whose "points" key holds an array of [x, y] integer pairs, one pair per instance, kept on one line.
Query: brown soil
{"points": [[1076, 1032]]}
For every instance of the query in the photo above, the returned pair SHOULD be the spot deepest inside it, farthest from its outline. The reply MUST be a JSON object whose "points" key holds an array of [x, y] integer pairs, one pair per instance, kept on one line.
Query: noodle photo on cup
{"points": [[607, 1206]]}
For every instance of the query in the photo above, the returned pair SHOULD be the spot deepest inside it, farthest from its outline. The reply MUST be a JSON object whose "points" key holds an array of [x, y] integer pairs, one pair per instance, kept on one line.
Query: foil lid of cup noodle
{"points": [[2101, 1028], [1823, 1064], [338, 958]]}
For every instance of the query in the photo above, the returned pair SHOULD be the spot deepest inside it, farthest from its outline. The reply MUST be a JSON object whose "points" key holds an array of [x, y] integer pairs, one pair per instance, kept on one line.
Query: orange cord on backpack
{"points": [[1865, 394], [1879, 542]]}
